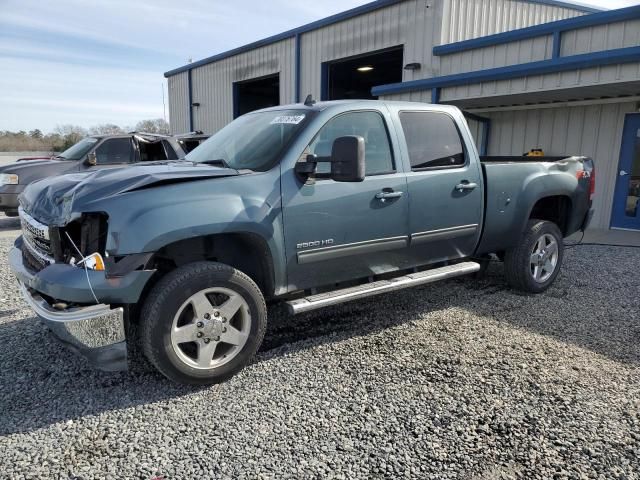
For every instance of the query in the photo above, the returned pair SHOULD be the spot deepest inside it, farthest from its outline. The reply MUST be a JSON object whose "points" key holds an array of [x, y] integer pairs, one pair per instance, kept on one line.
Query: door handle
{"points": [[464, 185], [623, 173], [388, 194]]}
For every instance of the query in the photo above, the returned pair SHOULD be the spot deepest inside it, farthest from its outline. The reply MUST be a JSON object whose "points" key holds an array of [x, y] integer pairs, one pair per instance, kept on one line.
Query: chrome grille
{"points": [[36, 238]]}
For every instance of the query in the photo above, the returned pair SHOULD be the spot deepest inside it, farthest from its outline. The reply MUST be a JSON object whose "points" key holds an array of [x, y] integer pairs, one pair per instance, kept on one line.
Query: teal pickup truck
{"points": [[310, 204]]}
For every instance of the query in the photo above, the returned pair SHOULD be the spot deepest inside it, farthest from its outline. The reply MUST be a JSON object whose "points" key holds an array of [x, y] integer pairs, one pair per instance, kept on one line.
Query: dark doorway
{"points": [[255, 94], [354, 77]]}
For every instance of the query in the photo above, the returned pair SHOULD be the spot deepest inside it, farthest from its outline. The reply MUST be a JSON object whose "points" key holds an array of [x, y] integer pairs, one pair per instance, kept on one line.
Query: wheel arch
{"points": [[553, 208], [246, 251]]}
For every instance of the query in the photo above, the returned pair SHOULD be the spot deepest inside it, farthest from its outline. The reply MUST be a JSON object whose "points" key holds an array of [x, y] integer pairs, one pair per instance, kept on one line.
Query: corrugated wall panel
{"points": [[416, 96], [586, 77], [585, 40], [414, 24], [594, 131], [213, 83], [178, 88], [523, 51], [466, 19], [601, 37], [476, 132]]}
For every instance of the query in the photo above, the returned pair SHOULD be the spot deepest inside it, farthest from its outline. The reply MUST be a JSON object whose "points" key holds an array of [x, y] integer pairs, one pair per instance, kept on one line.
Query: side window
{"points": [[171, 153], [188, 145], [370, 126], [432, 139], [115, 150]]}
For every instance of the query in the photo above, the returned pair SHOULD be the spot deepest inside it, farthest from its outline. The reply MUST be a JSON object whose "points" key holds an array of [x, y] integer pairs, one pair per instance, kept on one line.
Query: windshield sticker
{"points": [[288, 119]]}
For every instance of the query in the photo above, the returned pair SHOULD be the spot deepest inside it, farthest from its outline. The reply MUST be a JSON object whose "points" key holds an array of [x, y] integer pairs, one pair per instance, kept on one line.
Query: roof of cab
{"points": [[325, 105]]}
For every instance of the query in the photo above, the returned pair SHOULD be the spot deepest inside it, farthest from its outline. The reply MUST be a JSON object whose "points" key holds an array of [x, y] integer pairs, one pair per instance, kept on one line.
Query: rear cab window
{"points": [[433, 140], [190, 144]]}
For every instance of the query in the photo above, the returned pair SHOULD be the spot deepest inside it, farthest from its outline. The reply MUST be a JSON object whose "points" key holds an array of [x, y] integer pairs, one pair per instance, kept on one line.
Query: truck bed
{"points": [[514, 184], [518, 159]]}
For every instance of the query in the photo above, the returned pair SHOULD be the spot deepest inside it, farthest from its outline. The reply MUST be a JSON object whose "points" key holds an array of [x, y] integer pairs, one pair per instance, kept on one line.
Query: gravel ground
{"points": [[464, 379]]}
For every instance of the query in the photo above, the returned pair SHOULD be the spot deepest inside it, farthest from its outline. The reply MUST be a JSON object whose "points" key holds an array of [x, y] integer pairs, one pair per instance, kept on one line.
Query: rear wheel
{"points": [[535, 262], [203, 323]]}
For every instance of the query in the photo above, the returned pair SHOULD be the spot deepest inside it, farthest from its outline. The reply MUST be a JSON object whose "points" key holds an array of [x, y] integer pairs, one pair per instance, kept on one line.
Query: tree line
{"points": [[64, 136]]}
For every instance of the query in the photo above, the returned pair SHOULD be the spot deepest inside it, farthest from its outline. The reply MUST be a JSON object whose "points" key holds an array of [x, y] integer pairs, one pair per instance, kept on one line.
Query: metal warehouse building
{"points": [[531, 73]]}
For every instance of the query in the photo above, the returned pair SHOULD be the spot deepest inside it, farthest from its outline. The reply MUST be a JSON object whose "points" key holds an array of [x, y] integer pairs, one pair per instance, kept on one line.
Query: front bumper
{"points": [[69, 283], [9, 202], [95, 332]]}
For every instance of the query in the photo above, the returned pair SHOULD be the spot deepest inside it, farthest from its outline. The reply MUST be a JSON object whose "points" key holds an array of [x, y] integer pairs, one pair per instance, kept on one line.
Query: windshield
{"points": [[79, 150], [254, 141]]}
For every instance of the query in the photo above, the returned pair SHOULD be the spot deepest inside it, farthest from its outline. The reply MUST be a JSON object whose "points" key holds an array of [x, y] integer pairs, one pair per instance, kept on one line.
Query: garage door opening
{"points": [[354, 77], [255, 94]]}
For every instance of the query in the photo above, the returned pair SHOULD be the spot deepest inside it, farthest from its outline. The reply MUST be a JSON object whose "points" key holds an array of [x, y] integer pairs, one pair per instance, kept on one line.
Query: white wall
{"points": [[178, 103], [466, 19], [212, 84], [414, 24]]}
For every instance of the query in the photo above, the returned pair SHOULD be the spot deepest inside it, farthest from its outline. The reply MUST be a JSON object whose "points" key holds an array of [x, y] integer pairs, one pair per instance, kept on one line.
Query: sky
{"points": [[89, 63]]}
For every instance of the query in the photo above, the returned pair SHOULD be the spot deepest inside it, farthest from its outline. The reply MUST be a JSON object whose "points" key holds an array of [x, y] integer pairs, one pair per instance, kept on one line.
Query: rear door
{"points": [[444, 185], [336, 231]]}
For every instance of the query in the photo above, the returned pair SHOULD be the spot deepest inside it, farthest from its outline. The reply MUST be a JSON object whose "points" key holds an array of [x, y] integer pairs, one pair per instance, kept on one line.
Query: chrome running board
{"points": [[335, 297]]}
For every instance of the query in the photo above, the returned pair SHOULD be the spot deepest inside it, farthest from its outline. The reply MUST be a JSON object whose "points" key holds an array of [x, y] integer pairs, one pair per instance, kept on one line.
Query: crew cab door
{"points": [[444, 185], [337, 231]]}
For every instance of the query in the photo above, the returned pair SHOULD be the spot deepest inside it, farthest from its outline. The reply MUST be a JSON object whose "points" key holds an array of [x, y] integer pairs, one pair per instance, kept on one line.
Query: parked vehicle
{"points": [[91, 153], [311, 205], [190, 141]]}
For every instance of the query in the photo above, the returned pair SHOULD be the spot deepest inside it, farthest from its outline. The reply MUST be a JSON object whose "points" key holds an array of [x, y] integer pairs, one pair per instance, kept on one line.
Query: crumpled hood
{"points": [[58, 200]]}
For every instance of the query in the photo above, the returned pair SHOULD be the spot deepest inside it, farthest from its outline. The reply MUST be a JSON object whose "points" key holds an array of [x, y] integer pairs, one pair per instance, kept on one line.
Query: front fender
{"points": [[144, 221]]}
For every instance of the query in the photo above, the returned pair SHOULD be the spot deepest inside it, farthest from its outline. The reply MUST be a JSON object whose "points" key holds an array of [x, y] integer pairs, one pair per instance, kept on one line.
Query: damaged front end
{"points": [[82, 300], [71, 244]]}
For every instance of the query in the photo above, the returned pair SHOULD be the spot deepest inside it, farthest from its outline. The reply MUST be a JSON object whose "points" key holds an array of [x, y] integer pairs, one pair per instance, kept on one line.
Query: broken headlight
{"points": [[82, 242]]}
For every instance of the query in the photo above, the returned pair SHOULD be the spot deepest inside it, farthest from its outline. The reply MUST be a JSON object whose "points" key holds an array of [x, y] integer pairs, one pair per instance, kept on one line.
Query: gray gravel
{"points": [[465, 380]]}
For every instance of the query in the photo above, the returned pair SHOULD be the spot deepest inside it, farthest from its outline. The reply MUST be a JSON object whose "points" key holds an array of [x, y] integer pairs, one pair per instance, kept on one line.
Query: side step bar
{"points": [[320, 300]]}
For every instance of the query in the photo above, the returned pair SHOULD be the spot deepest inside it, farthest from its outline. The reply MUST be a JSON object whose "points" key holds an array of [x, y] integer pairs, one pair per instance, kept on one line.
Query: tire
{"points": [[189, 307], [520, 269]]}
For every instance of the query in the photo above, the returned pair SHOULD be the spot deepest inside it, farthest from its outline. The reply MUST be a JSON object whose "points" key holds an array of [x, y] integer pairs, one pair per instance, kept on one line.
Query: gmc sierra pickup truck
{"points": [[92, 153], [310, 205]]}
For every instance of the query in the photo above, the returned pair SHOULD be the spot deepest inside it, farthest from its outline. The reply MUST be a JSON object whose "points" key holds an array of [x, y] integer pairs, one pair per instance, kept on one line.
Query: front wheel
{"points": [[202, 323], [535, 262]]}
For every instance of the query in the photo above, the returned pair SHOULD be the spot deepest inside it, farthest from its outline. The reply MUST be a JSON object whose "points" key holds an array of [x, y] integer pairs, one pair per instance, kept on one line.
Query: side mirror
{"points": [[347, 159], [92, 159]]}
